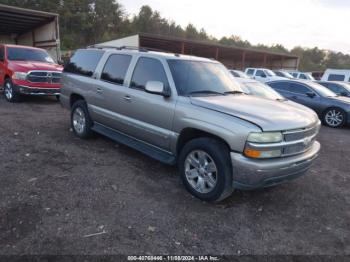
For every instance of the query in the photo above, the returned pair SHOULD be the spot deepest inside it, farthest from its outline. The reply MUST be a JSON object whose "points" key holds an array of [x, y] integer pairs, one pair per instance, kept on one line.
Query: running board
{"points": [[147, 149]]}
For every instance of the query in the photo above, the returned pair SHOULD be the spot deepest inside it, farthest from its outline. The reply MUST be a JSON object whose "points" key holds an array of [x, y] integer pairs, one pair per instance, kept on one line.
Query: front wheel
{"points": [[334, 117], [206, 169], [10, 92], [80, 120]]}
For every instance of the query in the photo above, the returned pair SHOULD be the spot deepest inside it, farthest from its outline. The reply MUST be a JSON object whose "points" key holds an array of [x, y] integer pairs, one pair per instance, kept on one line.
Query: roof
{"points": [[154, 54], [20, 20], [21, 46]]}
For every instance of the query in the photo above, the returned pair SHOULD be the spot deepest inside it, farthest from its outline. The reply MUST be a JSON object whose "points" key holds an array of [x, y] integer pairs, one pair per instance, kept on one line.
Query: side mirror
{"points": [[344, 94], [157, 88], [311, 94], [263, 76]]}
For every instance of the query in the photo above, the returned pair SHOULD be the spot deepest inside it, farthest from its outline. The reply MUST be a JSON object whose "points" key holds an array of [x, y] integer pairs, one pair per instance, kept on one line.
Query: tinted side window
{"points": [[116, 68], [84, 62], [302, 76], [280, 86], [335, 77], [234, 74], [295, 74], [260, 73], [250, 72], [1, 53], [299, 89], [336, 88], [148, 69]]}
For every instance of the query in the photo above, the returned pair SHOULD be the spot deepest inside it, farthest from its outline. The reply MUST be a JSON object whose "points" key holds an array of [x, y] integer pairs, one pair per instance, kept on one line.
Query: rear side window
{"points": [[1, 53], [298, 89], [84, 62], [116, 68], [250, 72], [260, 73], [302, 76], [335, 77], [280, 86], [148, 69], [336, 88]]}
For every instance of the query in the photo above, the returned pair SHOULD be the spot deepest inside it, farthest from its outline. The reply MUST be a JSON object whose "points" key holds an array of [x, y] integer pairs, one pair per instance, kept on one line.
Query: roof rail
{"points": [[141, 49]]}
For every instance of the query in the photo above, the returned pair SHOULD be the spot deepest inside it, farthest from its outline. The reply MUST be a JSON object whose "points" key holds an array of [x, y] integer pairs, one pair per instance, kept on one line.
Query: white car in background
{"points": [[256, 88], [283, 73], [263, 74], [238, 73], [302, 75], [342, 75]]}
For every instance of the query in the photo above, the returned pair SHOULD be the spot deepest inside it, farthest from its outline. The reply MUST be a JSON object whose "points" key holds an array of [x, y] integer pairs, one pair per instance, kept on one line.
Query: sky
{"points": [[306, 23]]}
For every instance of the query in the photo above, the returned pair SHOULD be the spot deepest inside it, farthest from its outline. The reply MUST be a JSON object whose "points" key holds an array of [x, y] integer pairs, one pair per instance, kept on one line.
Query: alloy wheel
{"points": [[334, 118], [8, 91], [201, 171], [79, 120]]}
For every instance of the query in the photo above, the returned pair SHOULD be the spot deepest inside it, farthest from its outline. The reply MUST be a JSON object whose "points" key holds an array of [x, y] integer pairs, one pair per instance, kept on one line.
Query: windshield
{"points": [[309, 77], [27, 54], [320, 89], [268, 72], [239, 74], [259, 89], [286, 74], [197, 77]]}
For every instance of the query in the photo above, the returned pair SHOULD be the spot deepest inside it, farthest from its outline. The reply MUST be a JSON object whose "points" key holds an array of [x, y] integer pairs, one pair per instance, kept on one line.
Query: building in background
{"points": [[230, 56]]}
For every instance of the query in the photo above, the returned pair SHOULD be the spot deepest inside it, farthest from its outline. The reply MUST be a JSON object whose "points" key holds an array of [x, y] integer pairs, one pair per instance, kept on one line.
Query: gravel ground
{"points": [[63, 195]]}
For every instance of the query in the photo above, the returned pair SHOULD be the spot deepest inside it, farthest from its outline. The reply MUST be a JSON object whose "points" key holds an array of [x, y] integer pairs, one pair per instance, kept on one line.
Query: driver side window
{"points": [[148, 69], [299, 89]]}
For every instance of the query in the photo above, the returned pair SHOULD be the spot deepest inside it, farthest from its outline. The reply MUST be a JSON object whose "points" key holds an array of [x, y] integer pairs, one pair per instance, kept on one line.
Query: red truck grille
{"points": [[44, 77]]}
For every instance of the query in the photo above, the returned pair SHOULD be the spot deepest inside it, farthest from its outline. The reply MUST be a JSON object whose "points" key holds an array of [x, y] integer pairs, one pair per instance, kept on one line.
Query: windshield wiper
{"points": [[205, 92], [234, 92]]}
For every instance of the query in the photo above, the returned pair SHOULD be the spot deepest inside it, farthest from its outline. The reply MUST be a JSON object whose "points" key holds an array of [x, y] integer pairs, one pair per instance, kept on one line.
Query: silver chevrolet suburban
{"points": [[190, 111]]}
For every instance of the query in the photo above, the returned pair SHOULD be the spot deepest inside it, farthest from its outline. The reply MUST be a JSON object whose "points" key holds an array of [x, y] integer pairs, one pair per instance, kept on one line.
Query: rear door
{"points": [[149, 116], [111, 90]]}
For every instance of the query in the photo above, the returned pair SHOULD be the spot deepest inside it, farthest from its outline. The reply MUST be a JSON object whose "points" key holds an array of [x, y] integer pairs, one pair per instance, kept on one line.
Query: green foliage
{"points": [[85, 22]]}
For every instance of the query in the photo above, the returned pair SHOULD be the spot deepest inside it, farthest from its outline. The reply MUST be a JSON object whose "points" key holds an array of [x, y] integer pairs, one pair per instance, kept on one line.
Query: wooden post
{"points": [[265, 60], [217, 53], [183, 48], [243, 61]]}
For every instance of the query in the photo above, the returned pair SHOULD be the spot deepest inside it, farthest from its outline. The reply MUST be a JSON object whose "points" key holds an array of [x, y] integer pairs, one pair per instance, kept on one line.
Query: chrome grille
{"points": [[44, 77], [299, 141]]}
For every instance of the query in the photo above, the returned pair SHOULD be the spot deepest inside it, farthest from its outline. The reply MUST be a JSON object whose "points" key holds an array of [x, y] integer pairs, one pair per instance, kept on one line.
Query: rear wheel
{"points": [[206, 170], [10, 92], [80, 120], [334, 117]]}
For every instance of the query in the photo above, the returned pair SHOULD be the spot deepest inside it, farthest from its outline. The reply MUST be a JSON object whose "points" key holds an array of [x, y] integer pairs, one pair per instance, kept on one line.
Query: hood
{"points": [[24, 66], [269, 115]]}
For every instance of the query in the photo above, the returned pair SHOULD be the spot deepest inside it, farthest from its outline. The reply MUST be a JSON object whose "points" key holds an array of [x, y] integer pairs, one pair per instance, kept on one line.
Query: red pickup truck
{"points": [[28, 70]]}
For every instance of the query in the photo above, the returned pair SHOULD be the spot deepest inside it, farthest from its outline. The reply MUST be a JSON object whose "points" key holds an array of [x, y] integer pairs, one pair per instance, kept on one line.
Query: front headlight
{"points": [[259, 145], [19, 76], [265, 137]]}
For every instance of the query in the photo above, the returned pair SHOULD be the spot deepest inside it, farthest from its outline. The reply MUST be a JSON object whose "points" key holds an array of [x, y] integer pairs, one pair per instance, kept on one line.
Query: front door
{"points": [[150, 116]]}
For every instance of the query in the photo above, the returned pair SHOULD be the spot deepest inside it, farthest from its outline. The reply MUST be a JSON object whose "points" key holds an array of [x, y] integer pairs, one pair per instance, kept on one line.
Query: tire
{"points": [[334, 117], [193, 173], [81, 122], [10, 93]]}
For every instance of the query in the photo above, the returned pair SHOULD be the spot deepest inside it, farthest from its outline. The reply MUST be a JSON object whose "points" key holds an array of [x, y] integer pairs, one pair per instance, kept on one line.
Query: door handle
{"points": [[99, 90], [127, 98]]}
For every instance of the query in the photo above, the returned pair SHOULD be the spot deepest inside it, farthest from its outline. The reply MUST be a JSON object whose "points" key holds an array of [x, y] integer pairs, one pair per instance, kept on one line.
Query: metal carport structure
{"points": [[30, 27], [231, 56]]}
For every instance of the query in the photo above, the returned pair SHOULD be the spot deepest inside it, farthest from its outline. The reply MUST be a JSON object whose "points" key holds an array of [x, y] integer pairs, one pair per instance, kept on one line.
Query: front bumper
{"points": [[37, 91], [251, 173]]}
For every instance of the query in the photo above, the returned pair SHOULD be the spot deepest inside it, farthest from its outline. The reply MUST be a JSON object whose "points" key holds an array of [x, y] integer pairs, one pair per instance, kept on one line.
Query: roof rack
{"points": [[141, 49]]}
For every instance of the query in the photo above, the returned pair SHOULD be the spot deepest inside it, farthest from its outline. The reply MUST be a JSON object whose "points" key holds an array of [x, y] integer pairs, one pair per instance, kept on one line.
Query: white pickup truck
{"points": [[262, 74]]}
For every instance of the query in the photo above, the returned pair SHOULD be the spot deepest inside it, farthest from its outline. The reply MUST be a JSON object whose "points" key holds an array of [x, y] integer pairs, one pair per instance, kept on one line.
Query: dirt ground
{"points": [[63, 195]]}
